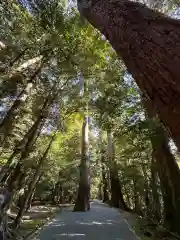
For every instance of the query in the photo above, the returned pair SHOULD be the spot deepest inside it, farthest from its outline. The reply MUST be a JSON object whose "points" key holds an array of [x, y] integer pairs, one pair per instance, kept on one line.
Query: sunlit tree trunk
{"points": [[117, 199], [149, 44], [82, 201]]}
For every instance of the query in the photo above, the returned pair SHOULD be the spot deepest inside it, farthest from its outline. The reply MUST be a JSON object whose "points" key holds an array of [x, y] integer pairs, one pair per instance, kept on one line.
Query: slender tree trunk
{"points": [[6, 169], [117, 199], [25, 145], [149, 44], [169, 173], [105, 194], [146, 190], [32, 185], [25, 151], [136, 197], [29, 202], [156, 206], [6, 124], [82, 201]]}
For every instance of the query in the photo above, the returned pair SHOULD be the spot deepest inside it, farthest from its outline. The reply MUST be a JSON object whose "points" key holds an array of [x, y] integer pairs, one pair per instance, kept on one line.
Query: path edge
{"points": [[39, 227]]}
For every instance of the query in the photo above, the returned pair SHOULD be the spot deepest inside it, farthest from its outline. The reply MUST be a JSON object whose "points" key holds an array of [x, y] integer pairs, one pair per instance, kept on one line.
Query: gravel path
{"points": [[101, 223]]}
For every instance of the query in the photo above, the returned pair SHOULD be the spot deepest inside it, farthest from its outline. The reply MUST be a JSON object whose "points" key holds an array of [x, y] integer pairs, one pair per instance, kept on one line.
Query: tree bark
{"points": [[117, 199], [168, 172], [149, 44], [82, 201]]}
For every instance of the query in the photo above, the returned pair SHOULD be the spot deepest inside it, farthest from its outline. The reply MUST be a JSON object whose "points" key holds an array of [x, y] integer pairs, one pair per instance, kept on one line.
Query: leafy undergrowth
{"points": [[146, 230], [34, 219]]}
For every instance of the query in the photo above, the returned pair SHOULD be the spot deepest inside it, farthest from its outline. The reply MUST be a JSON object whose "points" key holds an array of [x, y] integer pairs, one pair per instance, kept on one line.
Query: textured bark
{"points": [[82, 201], [168, 172], [149, 44], [117, 199]]}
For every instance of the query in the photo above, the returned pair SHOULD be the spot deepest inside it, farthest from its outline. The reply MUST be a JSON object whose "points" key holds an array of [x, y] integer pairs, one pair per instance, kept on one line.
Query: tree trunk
{"points": [[82, 201], [105, 194], [169, 174], [137, 208], [29, 202], [117, 199], [149, 44], [25, 145], [6, 124], [147, 200], [25, 150], [156, 206], [32, 185]]}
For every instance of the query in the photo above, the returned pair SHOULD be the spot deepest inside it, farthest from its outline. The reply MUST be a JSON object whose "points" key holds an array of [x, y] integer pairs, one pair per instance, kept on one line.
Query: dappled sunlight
{"points": [[72, 234], [2, 45], [29, 63], [94, 223], [58, 224]]}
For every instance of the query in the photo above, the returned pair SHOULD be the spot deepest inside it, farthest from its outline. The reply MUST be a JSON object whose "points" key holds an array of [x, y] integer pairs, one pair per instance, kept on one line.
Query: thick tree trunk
{"points": [[82, 201], [117, 199], [169, 174], [149, 44]]}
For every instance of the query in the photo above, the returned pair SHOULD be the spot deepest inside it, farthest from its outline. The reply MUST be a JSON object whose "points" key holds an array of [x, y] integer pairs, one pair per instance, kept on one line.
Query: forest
{"points": [[79, 122]]}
